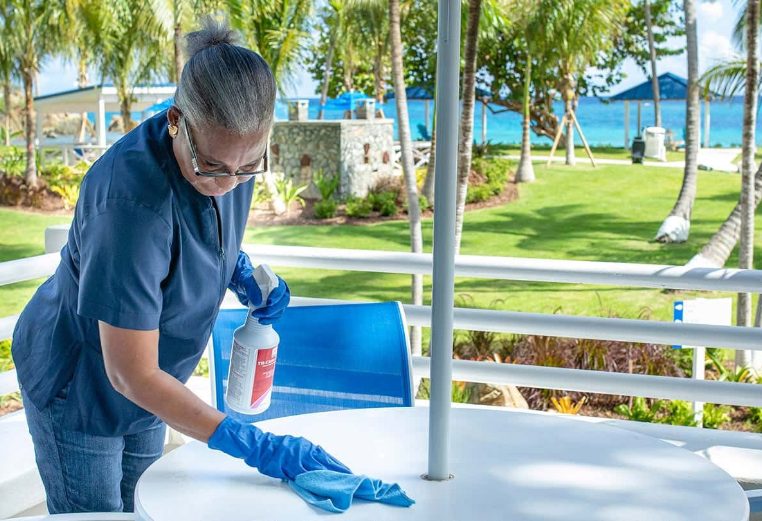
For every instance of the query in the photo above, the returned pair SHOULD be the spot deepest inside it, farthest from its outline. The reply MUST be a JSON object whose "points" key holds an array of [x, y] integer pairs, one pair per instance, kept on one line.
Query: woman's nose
{"points": [[226, 183]]}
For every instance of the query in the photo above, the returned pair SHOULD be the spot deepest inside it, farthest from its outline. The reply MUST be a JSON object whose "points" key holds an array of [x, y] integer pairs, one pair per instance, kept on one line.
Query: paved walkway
{"points": [[720, 159]]}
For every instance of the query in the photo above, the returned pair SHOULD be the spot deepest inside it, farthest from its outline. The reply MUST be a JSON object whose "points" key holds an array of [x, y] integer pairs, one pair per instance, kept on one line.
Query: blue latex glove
{"points": [[247, 291], [282, 457], [334, 491]]}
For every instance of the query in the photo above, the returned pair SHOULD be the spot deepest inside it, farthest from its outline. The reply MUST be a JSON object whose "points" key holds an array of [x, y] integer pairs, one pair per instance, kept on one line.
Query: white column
{"points": [[37, 129], [699, 367], [640, 119], [101, 122], [447, 111], [626, 125], [707, 123], [426, 114], [484, 122]]}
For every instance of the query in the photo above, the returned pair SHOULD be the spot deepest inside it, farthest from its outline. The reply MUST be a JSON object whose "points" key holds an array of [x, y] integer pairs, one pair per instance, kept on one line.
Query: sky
{"points": [[715, 28]]}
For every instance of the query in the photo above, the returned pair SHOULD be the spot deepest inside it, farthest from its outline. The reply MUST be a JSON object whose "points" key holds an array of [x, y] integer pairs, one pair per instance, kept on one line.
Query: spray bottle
{"points": [[252, 359]]}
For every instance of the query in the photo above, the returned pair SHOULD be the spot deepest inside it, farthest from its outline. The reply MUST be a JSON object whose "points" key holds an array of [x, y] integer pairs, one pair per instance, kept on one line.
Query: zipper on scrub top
{"points": [[221, 250]]}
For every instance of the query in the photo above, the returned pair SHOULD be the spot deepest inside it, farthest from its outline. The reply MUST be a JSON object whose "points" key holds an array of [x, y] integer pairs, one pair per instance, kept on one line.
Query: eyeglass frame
{"points": [[202, 173]]}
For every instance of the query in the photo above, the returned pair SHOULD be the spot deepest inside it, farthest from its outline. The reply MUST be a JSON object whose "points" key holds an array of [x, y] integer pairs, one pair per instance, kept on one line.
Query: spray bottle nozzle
{"points": [[266, 281]]}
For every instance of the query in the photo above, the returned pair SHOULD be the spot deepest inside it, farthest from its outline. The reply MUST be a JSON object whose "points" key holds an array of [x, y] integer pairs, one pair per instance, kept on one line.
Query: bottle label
{"points": [[264, 372]]}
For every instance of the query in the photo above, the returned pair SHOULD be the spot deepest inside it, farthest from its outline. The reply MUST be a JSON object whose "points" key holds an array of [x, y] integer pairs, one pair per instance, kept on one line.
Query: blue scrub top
{"points": [[145, 251]]}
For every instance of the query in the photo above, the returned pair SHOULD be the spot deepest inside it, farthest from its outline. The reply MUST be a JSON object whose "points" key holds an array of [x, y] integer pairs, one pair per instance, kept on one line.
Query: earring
{"points": [[173, 130]]}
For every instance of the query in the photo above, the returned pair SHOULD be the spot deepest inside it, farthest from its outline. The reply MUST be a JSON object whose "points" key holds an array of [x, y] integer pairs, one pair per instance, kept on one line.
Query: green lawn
{"points": [[610, 214], [22, 234], [598, 152]]}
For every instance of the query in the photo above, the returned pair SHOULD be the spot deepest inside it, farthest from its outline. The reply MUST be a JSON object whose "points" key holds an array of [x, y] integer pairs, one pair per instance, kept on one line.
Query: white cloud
{"points": [[714, 47], [710, 9]]}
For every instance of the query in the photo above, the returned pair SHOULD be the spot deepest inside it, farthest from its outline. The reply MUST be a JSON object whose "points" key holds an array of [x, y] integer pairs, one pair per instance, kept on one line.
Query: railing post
{"points": [[448, 82]]}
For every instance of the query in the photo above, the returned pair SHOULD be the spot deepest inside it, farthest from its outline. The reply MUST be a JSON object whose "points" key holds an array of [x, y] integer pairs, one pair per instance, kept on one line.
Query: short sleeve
{"points": [[124, 257]]}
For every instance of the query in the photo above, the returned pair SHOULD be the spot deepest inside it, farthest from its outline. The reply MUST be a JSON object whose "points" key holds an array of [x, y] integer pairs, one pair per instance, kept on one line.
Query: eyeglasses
{"points": [[199, 172]]}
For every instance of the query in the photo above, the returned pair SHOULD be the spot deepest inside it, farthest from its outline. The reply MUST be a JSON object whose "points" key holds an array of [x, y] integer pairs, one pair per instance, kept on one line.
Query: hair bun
{"points": [[211, 34]]}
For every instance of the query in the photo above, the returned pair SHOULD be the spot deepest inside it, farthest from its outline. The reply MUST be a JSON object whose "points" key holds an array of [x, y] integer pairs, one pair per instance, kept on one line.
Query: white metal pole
{"points": [[442, 300], [699, 367], [426, 114], [640, 113], [484, 122], [101, 121], [626, 125]]}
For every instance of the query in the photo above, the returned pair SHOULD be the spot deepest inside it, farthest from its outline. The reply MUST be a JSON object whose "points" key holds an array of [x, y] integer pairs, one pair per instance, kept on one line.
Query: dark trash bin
{"points": [[638, 149]]}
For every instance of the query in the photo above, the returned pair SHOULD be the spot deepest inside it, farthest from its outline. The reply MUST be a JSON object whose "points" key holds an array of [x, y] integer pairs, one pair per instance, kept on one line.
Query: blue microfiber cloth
{"points": [[334, 491]]}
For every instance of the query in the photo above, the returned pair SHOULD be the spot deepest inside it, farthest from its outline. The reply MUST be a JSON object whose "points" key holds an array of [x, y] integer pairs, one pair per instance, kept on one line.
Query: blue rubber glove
{"points": [[282, 457], [247, 291]]}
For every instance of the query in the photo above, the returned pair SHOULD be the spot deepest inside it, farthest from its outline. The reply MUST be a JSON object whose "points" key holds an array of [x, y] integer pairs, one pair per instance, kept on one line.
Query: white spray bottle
{"points": [[252, 360]]}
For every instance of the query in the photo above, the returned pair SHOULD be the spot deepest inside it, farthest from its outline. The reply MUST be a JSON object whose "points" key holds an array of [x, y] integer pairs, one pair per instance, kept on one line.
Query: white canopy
{"points": [[99, 99]]}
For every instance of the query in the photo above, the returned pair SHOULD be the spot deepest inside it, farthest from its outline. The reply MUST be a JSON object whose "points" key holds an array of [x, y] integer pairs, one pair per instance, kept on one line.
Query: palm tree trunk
{"points": [[652, 54], [715, 253], [378, 76], [327, 76], [467, 116], [126, 113], [746, 253], [178, 44], [676, 227], [568, 96], [428, 182], [81, 83], [7, 101], [525, 171], [30, 176], [406, 146]]}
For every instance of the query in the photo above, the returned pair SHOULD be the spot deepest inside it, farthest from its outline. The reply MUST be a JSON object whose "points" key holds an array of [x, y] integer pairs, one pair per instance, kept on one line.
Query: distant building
{"points": [[360, 151]]}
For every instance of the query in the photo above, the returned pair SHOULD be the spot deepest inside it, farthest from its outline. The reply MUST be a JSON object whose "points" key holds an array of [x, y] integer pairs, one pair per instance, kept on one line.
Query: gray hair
{"points": [[225, 85]]}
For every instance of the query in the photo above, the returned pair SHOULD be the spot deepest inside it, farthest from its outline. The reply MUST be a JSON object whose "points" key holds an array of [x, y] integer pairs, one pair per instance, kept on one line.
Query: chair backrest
{"points": [[755, 502], [331, 357]]}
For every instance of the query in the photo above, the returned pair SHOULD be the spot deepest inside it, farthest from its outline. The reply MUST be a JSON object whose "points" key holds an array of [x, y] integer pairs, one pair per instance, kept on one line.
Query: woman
{"points": [[104, 346]]}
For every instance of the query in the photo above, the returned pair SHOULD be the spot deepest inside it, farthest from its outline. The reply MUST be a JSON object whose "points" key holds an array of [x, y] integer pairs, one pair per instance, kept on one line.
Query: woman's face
{"points": [[217, 150]]}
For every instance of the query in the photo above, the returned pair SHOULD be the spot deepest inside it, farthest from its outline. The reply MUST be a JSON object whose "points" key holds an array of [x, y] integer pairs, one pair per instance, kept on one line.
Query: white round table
{"points": [[507, 466]]}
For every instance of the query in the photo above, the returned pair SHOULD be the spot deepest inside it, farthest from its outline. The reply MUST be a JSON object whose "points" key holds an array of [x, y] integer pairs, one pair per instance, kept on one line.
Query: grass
{"points": [[22, 234], [598, 152], [610, 213]]}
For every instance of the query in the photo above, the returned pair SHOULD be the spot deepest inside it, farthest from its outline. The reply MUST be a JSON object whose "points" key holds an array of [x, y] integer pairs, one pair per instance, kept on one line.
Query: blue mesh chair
{"points": [[332, 357]]}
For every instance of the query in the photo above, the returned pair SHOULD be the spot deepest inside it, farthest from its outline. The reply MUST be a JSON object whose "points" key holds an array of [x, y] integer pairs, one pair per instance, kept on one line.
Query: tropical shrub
{"points": [[326, 184], [358, 208], [325, 208]]}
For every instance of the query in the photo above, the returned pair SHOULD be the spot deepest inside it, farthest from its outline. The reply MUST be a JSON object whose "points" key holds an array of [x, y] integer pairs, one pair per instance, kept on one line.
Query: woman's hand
{"points": [[282, 457], [249, 294]]}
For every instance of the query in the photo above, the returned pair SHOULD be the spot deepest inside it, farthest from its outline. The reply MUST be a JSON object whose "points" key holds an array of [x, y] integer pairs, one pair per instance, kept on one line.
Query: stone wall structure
{"points": [[360, 151]]}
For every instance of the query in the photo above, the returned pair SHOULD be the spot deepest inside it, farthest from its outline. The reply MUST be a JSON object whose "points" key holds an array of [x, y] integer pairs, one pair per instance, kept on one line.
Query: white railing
{"points": [[540, 270]]}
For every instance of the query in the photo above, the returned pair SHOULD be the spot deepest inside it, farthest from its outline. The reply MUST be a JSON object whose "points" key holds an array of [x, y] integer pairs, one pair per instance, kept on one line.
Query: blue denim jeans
{"points": [[86, 473]]}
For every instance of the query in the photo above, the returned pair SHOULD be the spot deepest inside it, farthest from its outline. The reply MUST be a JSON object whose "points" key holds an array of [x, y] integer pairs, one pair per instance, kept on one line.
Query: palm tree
{"points": [[676, 227], [7, 67], [579, 30], [652, 55], [406, 145], [530, 25], [746, 253], [88, 22], [33, 34], [135, 45], [178, 16], [277, 29], [371, 20], [525, 170], [726, 79], [336, 21], [467, 115]]}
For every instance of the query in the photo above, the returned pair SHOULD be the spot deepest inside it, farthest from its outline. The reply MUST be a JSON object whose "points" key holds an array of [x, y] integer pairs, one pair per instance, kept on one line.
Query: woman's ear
{"points": [[173, 116]]}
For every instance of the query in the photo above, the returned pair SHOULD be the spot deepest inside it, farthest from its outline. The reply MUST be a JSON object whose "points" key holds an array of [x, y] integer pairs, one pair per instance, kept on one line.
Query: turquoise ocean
{"points": [[601, 121]]}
